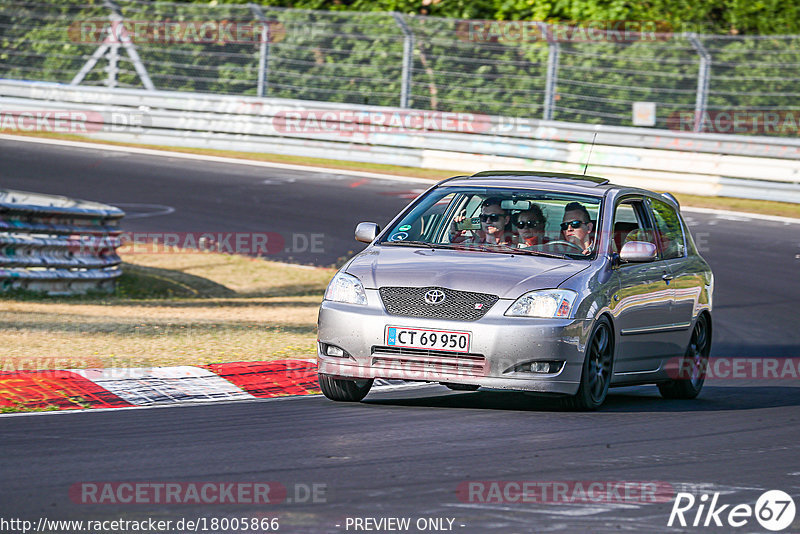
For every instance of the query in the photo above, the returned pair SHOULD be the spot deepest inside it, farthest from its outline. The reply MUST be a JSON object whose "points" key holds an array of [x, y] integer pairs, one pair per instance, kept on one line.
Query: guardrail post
{"points": [[552, 74], [703, 81], [408, 59], [263, 51]]}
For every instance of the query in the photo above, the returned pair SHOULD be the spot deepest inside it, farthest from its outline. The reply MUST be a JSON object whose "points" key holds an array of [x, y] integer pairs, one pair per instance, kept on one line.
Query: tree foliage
{"points": [[327, 52]]}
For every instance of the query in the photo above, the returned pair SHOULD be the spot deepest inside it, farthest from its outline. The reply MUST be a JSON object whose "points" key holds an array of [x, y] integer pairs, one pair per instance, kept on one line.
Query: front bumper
{"points": [[499, 344]]}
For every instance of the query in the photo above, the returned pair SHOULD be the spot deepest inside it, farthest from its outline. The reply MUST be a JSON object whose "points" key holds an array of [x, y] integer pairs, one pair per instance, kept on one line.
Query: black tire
{"points": [[597, 366], [461, 387], [693, 365], [343, 390]]}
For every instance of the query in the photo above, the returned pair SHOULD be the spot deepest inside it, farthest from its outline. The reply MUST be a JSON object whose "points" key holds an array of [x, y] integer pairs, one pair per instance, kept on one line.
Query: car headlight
{"points": [[346, 288], [546, 303]]}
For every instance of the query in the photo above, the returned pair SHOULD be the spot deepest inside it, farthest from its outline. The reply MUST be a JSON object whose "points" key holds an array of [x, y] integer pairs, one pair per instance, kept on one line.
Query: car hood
{"points": [[505, 275]]}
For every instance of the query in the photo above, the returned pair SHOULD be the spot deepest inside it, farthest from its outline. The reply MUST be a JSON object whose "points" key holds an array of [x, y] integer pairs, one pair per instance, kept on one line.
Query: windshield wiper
{"points": [[545, 254], [478, 247], [409, 244], [448, 246]]}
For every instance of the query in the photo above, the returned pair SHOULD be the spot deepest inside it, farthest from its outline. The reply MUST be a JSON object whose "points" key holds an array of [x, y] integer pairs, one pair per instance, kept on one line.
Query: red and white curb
{"points": [[66, 389]]}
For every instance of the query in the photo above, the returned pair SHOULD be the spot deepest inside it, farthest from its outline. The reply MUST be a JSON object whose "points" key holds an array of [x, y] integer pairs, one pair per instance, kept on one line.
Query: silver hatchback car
{"points": [[539, 282]]}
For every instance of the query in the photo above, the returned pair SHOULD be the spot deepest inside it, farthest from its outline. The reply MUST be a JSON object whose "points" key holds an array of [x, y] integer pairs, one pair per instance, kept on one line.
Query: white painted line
{"points": [[158, 209], [201, 402], [554, 509], [159, 406], [217, 159], [324, 170]]}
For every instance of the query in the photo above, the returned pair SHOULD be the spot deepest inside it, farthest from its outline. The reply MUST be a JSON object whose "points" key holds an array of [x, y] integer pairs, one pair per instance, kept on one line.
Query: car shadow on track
{"points": [[632, 400]]}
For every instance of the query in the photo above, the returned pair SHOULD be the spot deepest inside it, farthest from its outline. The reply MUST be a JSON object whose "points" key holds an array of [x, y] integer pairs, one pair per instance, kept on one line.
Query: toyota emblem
{"points": [[434, 296]]}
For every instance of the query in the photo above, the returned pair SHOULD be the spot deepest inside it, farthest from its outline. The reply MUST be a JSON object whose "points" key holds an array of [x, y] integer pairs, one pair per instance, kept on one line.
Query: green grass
{"points": [[170, 309], [19, 408]]}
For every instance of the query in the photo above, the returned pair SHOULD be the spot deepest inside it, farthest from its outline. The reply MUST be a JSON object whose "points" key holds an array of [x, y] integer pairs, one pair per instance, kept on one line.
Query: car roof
{"points": [[565, 182], [552, 181], [544, 176]]}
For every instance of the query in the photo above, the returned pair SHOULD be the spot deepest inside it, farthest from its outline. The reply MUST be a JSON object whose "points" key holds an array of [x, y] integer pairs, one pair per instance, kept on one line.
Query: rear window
{"points": [[673, 243]]}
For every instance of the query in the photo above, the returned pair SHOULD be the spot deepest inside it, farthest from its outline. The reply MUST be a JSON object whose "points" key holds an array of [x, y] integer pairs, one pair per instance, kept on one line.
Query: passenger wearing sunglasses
{"points": [[577, 227], [494, 226], [530, 226]]}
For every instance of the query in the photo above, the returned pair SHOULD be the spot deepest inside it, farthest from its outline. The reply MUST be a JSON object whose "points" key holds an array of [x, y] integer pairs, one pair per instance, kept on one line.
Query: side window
{"points": [[469, 207], [427, 226], [630, 224], [670, 230]]}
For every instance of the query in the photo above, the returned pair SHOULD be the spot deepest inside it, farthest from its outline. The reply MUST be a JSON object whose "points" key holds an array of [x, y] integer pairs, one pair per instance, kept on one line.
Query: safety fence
{"points": [[618, 73], [736, 166], [57, 245]]}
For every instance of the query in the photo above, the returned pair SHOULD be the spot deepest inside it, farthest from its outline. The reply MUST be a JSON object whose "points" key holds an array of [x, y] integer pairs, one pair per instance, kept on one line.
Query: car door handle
{"points": [[667, 277]]}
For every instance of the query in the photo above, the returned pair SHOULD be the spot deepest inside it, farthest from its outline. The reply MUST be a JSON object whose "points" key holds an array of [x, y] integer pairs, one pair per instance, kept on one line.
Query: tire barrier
{"points": [[57, 245]]}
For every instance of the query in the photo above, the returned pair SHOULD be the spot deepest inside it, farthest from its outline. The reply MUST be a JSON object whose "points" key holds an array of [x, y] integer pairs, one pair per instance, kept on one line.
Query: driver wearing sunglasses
{"points": [[494, 226], [530, 225], [577, 227]]}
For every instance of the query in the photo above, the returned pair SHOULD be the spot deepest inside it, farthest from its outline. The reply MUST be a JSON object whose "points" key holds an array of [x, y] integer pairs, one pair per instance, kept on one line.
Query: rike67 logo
{"points": [[774, 510]]}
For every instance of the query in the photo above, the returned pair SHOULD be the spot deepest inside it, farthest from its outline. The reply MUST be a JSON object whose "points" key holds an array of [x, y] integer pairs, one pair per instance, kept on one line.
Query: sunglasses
{"points": [[528, 224], [490, 217], [571, 224]]}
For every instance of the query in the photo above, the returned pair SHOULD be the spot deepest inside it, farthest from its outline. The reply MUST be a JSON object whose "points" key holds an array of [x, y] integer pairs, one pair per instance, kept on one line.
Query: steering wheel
{"points": [[563, 242]]}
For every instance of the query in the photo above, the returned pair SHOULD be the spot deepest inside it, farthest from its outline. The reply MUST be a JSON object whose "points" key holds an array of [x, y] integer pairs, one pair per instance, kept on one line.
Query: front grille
{"points": [[428, 363], [459, 305]]}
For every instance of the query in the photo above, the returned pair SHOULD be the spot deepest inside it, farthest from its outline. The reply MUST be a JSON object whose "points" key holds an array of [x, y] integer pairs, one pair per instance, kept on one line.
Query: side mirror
{"points": [[367, 231], [637, 252]]}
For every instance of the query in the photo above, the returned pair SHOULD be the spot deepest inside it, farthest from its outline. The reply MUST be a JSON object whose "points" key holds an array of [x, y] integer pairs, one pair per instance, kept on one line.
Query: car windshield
{"points": [[501, 220]]}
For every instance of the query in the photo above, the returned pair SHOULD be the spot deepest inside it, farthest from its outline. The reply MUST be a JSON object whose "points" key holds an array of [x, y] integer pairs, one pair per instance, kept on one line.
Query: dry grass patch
{"points": [[764, 207], [170, 309]]}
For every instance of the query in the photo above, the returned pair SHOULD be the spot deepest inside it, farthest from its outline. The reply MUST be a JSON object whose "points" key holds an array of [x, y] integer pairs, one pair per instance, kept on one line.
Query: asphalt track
{"points": [[404, 453]]}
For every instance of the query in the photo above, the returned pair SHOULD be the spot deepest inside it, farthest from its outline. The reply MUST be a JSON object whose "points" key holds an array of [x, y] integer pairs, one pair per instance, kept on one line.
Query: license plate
{"points": [[421, 338]]}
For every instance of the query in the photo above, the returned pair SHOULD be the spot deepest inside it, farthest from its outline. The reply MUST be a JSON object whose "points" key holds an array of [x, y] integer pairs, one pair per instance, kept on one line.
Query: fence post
{"points": [[89, 65], [408, 59], [117, 34], [703, 81], [552, 73], [121, 35], [263, 51], [112, 69]]}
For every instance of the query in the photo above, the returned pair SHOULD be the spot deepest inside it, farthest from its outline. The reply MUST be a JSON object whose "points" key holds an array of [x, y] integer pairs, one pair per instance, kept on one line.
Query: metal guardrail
{"points": [[595, 72], [708, 164], [57, 245]]}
